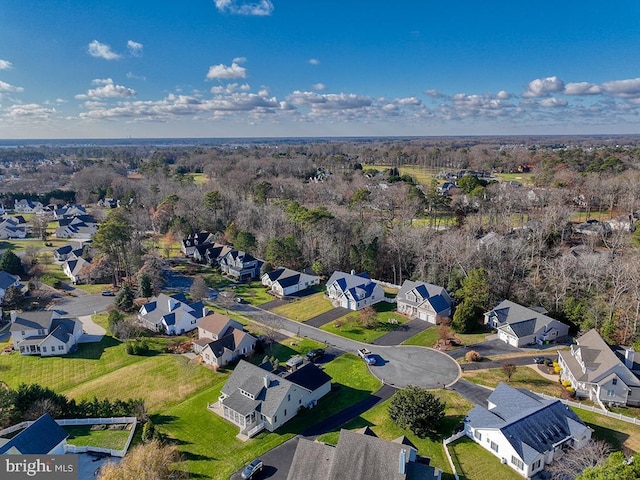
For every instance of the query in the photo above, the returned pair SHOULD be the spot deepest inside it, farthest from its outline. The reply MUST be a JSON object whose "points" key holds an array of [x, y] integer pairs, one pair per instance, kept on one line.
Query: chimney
{"points": [[353, 272], [267, 381], [629, 356], [14, 315], [402, 462]]}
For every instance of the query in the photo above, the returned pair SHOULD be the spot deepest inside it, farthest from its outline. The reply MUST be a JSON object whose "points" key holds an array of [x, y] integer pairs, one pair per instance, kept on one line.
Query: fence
{"points": [[86, 421], [446, 442], [606, 413]]}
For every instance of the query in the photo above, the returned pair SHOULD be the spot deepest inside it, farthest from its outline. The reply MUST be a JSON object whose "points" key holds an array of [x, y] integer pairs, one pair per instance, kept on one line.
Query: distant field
{"points": [[423, 175], [524, 178]]}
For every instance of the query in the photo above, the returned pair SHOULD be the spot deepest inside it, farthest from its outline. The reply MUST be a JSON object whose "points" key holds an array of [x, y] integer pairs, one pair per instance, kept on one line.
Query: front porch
{"points": [[250, 425]]}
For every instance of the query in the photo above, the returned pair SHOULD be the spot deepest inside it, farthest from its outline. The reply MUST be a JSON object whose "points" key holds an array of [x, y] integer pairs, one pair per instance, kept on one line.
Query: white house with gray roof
{"points": [[255, 398], [597, 373], [524, 430], [171, 314], [353, 291], [520, 326], [360, 456], [222, 340], [44, 333], [424, 301], [284, 281], [7, 280]]}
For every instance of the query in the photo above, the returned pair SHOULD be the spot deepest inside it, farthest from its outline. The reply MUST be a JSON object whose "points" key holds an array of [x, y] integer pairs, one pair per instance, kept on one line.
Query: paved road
{"points": [[81, 303], [486, 349], [521, 360], [397, 366], [403, 333]]}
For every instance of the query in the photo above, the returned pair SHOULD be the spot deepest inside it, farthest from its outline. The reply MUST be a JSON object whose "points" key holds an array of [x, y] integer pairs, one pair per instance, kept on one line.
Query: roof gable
{"points": [[39, 438]]}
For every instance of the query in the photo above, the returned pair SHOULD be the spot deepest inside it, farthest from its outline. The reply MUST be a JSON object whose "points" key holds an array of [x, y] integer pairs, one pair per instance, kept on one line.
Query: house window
{"points": [[494, 447], [536, 465], [610, 393], [41, 331], [60, 347], [44, 349], [478, 435], [285, 412], [517, 462], [275, 419], [288, 398], [614, 381]]}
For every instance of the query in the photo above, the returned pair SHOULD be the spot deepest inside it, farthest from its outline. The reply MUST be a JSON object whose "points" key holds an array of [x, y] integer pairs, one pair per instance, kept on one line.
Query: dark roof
{"points": [[39, 438], [309, 376]]}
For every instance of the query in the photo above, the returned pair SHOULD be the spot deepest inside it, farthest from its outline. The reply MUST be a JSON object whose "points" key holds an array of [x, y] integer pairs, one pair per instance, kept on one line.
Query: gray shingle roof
{"points": [[437, 296], [37, 439], [33, 321]]}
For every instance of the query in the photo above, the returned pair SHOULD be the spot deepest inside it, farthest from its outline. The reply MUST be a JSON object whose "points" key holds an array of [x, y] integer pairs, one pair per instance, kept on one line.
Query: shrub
{"points": [[472, 356], [137, 347], [566, 383]]}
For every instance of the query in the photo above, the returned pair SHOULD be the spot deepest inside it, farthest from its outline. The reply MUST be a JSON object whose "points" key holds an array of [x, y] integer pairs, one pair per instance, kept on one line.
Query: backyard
{"points": [[94, 436]]}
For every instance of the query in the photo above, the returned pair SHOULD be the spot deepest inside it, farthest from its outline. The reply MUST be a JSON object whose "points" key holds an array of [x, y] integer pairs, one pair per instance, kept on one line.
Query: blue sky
{"points": [[256, 68]]}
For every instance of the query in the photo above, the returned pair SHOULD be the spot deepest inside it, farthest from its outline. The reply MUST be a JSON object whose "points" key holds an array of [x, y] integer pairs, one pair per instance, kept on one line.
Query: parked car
{"points": [[251, 470], [316, 354], [541, 360], [108, 293]]}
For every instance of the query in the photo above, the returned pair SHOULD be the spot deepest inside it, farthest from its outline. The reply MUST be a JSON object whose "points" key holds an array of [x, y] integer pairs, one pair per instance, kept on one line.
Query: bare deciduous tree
{"points": [[574, 462]]}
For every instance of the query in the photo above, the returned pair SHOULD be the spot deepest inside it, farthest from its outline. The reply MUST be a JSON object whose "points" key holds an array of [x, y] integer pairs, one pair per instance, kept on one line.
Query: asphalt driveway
{"points": [[327, 317], [403, 333], [472, 392], [486, 349]]}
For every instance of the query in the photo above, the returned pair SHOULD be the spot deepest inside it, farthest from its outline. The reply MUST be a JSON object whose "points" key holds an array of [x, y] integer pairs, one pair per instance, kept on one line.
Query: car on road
{"points": [[251, 471], [108, 293], [367, 356], [541, 360], [315, 354]]}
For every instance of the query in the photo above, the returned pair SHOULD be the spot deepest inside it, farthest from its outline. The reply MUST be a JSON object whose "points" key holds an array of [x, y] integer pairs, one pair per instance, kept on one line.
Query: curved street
{"points": [[397, 366]]}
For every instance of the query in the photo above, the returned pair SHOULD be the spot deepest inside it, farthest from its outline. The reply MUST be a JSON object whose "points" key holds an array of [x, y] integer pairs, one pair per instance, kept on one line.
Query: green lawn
{"points": [[208, 442], [289, 347], [347, 326], [254, 293], [616, 432], [83, 435], [476, 463], [524, 377], [378, 420], [524, 178], [305, 308], [428, 338]]}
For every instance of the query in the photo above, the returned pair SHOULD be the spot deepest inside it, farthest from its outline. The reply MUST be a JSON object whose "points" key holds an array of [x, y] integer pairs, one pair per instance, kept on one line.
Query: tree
{"points": [[615, 467], [11, 263], [199, 289], [418, 410], [148, 461], [144, 285], [124, 298], [12, 297], [508, 368], [368, 317], [244, 241], [113, 239], [465, 318], [284, 251]]}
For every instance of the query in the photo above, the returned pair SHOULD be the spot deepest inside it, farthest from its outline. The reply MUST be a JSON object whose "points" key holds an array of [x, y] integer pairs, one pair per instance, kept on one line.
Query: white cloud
{"points": [[433, 93], [319, 87], [629, 88], [226, 72], [503, 95], [230, 88], [102, 50], [239, 60], [543, 87], [135, 48], [6, 87], [582, 88], [107, 89], [5, 64], [329, 101], [29, 112], [239, 7], [314, 61], [135, 76], [552, 102]]}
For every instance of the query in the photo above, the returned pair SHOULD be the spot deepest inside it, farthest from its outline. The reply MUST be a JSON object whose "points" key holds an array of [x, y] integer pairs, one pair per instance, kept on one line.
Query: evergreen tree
{"points": [[124, 298], [11, 263], [418, 410]]}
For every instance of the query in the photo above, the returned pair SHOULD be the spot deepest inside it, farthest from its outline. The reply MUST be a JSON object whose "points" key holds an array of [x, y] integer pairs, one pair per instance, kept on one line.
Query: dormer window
{"points": [[614, 381], [247, 394]]}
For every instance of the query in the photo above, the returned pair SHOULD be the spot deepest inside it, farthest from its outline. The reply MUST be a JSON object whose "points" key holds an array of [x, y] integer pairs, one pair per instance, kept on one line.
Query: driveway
{"points": [[397, 366], [486, 349], [81, 303], [472, 392], [327, 317], [91, 331], [403, 333]]}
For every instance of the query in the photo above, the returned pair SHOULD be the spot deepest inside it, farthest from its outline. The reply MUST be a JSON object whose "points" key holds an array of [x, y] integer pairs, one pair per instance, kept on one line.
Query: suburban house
{"points": [[520, 326], [597, 373], [255, 397], [222, 340], [12, 227], [424, 301], [44, 333], [215, 253], [68, 211], [360, 456], [81, 227], [171, 314], [7, 280], [524, 430], [188, 244], [71, 250], [353, 291], [283, 281], [75, 269], [42, 437], [27, 206], [240, 265]]}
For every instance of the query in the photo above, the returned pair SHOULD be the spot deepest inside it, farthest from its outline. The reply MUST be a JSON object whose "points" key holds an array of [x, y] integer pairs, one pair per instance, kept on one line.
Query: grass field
{"points": [[82, 435], [476, 463], [378, 420], [524, 178], [524, 377], [254, 293], [428, 337], [305, 308], [347, 326], [618, 433], [208, 442], [422, 175]]}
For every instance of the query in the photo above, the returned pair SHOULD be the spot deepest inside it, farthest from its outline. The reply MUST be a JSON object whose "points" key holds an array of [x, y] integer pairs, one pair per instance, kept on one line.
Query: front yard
{"points": [[305, 308], [348, 326]]}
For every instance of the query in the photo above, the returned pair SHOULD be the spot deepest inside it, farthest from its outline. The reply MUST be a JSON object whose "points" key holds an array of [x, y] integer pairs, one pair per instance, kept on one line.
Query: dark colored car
{"points": [[251, 470], [107, 293], [541, 360], [316, 354]]}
